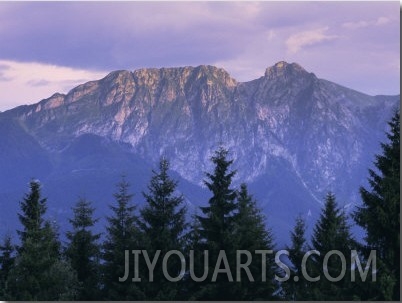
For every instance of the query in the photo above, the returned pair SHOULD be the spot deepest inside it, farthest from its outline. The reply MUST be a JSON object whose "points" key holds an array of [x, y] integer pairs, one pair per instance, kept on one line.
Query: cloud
{"points": [[271, 35], [3, 71], [38, 82], [382, 21], [126, 35], [307, 38], [28, 82], [366, 23], [355, 25], [242, 37]]}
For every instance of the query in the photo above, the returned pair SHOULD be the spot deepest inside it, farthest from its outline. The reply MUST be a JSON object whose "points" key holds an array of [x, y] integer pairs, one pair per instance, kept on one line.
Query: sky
{"points": [[49, 47]]}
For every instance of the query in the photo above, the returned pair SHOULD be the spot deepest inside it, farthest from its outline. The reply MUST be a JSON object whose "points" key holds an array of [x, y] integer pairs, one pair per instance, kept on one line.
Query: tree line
{"points": [[91, 267]]}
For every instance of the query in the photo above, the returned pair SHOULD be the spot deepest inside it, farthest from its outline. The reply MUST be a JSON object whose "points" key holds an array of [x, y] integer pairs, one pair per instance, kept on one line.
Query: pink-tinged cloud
{"points": [[242, 37], [18, 79], [308, 38], [380, 21]]}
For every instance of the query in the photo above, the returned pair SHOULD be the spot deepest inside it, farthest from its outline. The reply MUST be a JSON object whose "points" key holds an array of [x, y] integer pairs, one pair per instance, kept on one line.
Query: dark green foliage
{"points": [[122, 234], [300, 289], [195, 246], [163, 226], [380, 216], [39, 272], [7, 256], [218, 223], [217, 227], [251, 234], [299, 244], [194, 239], [331, 232], [83, 251], [33, 208]]}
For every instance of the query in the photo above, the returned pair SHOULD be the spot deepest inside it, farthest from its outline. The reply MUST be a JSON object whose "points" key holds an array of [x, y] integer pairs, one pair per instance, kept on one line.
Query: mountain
{"points": [[293, 137]]}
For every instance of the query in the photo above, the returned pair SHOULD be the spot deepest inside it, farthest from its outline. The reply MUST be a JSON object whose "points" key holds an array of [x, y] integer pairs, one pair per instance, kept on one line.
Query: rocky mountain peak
{"points": [[215, 73], [148, 76], [54, 101], [283, 69], [291, 135], [118, 76]]}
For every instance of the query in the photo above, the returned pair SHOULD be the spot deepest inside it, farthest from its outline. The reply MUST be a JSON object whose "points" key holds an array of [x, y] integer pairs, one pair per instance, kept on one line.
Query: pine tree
{"points": [[7, 256], [194, 245], [380, 216], [251, 234], [299, 289], [193, 237], [163, 225], [332, 232], [39, 272], [122, 234], [33, 208], [218, 223], [217, 227], [83, 251]]}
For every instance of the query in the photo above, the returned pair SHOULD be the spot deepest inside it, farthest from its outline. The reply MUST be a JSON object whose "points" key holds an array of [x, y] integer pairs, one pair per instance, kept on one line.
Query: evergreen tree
{"points": [[39, 272], [250, 234], [163, 225], [219, 221], [332, 232], [194, 245], [194, 240], [7, 256], [217, 227], [299, 289], [33, 208], [83, 251], [380, 216], [122, 234]]}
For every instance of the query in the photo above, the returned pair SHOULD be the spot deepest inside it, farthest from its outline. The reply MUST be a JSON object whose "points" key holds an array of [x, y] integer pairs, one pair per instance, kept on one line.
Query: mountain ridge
{"points": [[272, 72], [216, 87], [320, 135]]}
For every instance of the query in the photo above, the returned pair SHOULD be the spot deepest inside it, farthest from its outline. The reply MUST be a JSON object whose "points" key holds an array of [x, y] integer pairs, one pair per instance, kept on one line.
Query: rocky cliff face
{"points": [[320, 128], [286, 123]]}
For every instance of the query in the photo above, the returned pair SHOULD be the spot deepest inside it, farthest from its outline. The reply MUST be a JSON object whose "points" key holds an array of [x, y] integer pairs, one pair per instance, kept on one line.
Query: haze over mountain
{"points": [[293, 137]]}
